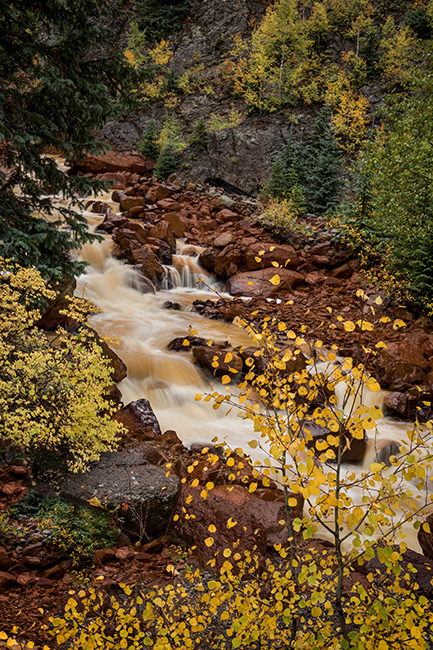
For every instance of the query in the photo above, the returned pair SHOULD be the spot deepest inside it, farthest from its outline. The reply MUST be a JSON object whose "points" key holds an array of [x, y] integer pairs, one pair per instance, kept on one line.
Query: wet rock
{"points": [[397, 403], [384, 450], [112, 161], [162, 191], [103, 556], [207, 259], [178, 344], [52, 316], [125, 477], [161, 249], [162, 230], [99, 207], [224, 240], [225, 216], [224, 201], [177, 223], [404, 362], [138, 417], [111, 222], [169, 205], [284, 255], [147, 262], [197, 514], [7, 580], [131, 202], [115, 180], [5, 560], [322, 248], [228, 261], [219, 362], [118, 196], [258, 283], [353, 448], [425, 537]]}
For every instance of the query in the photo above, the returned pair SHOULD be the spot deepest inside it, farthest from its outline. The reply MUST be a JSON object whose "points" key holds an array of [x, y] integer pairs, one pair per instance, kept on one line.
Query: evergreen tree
{"points": [[200, 135], [61, 79], [168, 161], [287, 174], [149, 142], [321, 171]]}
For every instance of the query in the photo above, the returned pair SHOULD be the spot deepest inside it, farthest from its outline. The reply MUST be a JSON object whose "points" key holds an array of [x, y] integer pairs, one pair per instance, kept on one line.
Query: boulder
{"points": [[354, 449], [7, 580], [207, 259], [162, 230], [147, 262], [131, 202], [5, 560], [111, 222], [258, 283], [224, 240], [112, 161], [99, 207], [397, 404], [283, 254], [147, 495], [177, 223], [425, 538], [422, 576], [226, 362], [228, 261], [162, 249], [226, 215], [404, 362], [177, 344], [169, 205], [138, 417], [197, 514]]}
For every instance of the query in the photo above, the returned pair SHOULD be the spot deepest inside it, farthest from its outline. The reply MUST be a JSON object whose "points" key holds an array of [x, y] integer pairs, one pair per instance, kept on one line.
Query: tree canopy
{"points": [[62, 78]]}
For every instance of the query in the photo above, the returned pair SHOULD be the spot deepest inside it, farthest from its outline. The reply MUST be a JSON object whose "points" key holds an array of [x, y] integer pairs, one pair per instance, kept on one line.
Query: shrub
{"points": [[168, 162], [52, 402], [149, 142], [200, 135]]}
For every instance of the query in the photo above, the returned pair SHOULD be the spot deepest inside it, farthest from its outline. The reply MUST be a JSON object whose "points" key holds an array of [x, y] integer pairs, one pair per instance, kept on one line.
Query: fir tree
{"points": [[61, 78], [149, 142], [200, 135], [168, 162], [287, 173], [321, 171]]}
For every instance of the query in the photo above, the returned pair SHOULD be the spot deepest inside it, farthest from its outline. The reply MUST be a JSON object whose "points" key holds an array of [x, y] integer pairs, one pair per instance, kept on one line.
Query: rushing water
{"points": [[139, 327]]}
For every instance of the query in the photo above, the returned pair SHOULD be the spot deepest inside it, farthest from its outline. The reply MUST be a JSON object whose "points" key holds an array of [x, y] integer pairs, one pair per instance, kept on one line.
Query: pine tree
{"points": [[168, 162], [321, 178], [200, 135], [61, 80], [149, 142], [287, 173]]}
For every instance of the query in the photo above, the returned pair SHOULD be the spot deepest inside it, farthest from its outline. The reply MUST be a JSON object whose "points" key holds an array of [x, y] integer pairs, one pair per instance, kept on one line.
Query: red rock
{"points": [[12, 488], [322, 248], [125, 553], [319, 260], [118, 180], [207, 355], [401, 364], [135, 213], [103, 555], [5, 560], [7, 580], [138, 417], [257, 283], [112, 161], [26, 579], [18, 470], [162, 230], [99, 207], [177, 223], [345, 270], [225, 216], [197, 514], [143, 557], [169, 205], [314, 278], [354, 449], [44, 583], [332, 282], [224, 240], [140, 232], [147, 262], [131, 202], [228, 261], [284, 255], [162, 192], [397, 403]]}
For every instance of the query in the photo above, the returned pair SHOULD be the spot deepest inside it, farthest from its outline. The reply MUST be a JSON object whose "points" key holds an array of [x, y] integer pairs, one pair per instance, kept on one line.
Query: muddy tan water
{"points": [[142, 327]]}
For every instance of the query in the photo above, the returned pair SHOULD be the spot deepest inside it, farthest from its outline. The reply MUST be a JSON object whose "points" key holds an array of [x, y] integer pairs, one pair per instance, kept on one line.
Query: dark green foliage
{"points": [[75, 531], [168, 162], [61, 80], [160, 18], [200, 135], [149, 142], [309, 171], [322, 166], [369, 50], [419, 21]]}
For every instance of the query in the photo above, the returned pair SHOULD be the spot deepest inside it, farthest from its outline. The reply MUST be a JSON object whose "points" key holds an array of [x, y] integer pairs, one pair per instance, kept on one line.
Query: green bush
{"points": [[149, 142], [160, 18], [168, 162]]}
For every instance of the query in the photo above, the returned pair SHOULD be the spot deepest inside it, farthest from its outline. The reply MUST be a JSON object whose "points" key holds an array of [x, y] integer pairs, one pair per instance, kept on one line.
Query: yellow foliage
{"points": [[51, 391]]}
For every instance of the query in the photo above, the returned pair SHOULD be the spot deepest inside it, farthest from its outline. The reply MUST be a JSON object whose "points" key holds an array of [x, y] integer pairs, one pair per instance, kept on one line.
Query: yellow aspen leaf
{"points": [[378, 300], [195, 482], [275, 280], [186, 342], [292, 502], [373, 385], [230, 462], [212, 528], [225, 379], [252, 487], [426, 527], [228, 357], [275, 264], [272, 248], [227, 552], [253, 444], [262, 252], [209, 541], [282, 327], [360, 293], [251, 283], [258, 259], [365, 325], [95, 502], [349, 326], [231, 523], [198, 397], [376, 467]]}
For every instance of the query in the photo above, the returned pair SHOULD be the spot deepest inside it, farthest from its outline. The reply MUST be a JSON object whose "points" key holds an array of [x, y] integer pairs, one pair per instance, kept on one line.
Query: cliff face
{"points": [[245, 140]]}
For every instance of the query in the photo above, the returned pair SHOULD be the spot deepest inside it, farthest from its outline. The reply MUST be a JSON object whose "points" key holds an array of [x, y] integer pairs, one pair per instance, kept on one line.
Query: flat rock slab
{"points": [[125, 477]]}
